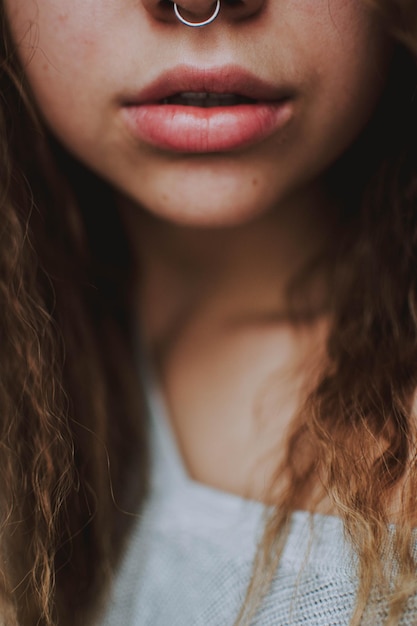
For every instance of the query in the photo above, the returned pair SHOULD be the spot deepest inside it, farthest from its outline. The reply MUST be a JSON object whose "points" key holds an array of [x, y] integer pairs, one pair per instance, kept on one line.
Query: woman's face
{"points": [[120, 83]]}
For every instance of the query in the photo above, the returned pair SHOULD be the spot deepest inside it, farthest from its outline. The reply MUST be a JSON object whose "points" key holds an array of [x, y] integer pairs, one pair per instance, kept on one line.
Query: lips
{"points": [[190, 110]]}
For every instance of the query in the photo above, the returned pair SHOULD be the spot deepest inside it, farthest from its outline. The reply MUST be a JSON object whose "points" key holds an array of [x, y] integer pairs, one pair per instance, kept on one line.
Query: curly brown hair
{"points": [[69, 398], [355, 435], [72, 429]]}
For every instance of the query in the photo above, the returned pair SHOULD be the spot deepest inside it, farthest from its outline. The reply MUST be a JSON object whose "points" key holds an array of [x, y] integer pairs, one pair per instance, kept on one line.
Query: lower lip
{"points": [[201, 130]]}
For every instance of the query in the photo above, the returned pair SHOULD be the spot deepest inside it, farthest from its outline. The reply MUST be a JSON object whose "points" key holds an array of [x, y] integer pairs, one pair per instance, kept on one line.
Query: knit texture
{"points": [[189, 559]]}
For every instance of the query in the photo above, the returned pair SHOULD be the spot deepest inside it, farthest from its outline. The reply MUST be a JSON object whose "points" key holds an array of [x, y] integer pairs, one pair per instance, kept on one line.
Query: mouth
{"points": [[207, 100], [223, 86], [193, 111]]}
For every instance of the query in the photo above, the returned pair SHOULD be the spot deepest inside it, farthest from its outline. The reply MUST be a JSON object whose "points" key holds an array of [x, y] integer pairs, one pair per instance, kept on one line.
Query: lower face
{"points": [[113, 82]]}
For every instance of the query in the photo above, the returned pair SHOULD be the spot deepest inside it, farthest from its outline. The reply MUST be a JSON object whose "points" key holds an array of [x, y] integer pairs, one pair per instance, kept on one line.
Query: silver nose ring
{"points": [[197, 24]]}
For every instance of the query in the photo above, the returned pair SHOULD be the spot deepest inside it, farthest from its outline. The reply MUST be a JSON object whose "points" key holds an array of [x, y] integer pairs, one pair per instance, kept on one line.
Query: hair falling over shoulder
{"points": [[356, 433], [68, 443]]}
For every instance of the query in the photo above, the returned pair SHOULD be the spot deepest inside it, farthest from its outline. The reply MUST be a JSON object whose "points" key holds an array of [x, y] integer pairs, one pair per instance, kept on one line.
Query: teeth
{"points": [[205, 100]]}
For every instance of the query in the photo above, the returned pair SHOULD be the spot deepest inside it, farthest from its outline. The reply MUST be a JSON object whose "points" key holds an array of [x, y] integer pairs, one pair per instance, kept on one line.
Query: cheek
{"points": [[341, 39], [56, 46], [347, 66]]}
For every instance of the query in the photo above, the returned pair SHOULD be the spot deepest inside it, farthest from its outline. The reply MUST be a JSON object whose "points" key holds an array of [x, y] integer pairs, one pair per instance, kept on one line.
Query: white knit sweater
{"points": [[189, 559]]}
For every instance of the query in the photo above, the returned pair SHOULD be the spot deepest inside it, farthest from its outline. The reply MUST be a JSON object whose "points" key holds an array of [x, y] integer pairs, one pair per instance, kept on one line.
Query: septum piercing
{"points": [[197, 24]]}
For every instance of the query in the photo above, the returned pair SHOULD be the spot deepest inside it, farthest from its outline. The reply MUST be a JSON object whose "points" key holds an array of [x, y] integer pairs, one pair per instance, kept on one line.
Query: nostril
{"points": [[161, 10], [165, 6]]}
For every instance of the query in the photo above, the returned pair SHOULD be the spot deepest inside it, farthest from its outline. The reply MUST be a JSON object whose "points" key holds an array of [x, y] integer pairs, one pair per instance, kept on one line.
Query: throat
{"points": [[231, 396]]}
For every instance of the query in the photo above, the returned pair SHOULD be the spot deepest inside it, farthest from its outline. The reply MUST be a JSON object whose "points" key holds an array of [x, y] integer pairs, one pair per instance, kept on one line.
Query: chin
{"points": [[203, 197], [205, 212]]}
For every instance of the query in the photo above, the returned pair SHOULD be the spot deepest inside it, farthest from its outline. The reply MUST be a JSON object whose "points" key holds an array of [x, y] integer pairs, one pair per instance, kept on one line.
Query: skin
{"points": [[220, 235], [82, 58]]}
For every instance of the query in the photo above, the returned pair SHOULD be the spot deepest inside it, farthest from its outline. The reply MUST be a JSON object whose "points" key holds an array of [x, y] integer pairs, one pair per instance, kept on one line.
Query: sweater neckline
{"points": [[171, 472]]}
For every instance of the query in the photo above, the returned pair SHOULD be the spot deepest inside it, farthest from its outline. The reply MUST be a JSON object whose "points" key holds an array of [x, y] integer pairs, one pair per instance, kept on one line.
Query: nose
{"points": [[197, 11]]}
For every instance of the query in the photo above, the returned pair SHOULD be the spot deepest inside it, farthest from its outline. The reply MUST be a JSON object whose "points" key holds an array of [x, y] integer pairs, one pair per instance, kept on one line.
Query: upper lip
{"points": [[228, 79]]}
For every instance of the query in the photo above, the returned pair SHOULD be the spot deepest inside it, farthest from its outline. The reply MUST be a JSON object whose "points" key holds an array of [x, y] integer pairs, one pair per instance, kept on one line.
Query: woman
{"points": [[215, 204]]}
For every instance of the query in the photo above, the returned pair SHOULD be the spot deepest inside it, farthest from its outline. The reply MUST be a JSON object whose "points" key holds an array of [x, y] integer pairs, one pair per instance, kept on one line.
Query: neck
{"points": [[240, 272]]}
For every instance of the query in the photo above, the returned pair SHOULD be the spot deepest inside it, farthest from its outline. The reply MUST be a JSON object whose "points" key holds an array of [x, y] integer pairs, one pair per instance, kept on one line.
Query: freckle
{"points": [[46, 67], [63, 17], [254, 182]]}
